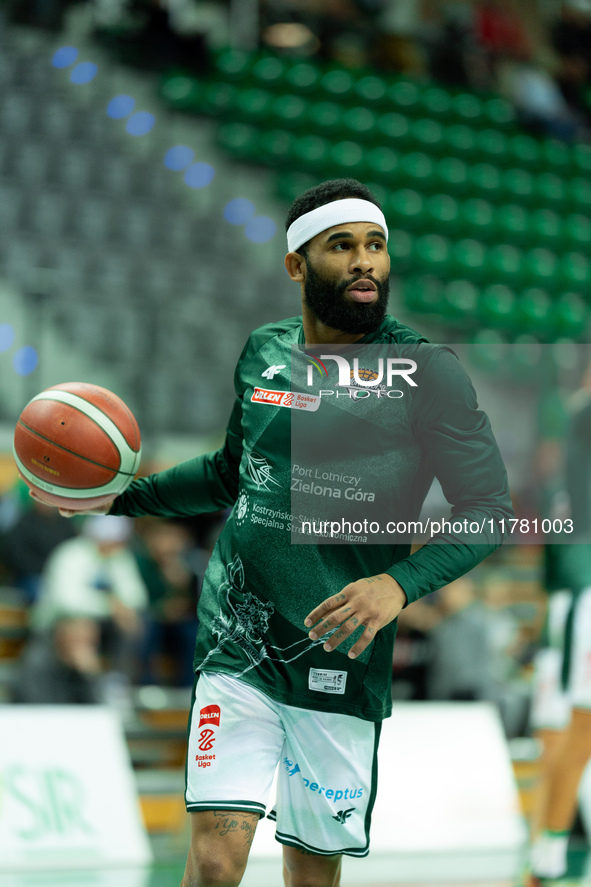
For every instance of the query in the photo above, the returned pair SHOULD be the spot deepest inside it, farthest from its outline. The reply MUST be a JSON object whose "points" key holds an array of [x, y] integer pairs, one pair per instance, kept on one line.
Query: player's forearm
{"points": [[197, 486]]}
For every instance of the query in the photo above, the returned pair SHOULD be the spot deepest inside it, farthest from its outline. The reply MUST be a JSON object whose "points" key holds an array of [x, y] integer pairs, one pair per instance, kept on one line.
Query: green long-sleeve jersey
{"points": [[259, 585]]}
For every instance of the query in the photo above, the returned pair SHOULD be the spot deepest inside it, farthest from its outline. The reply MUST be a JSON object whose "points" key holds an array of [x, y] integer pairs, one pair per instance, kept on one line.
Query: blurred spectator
{"points": [[25, 547], [571, 40], [152, 34], [413, 651], [96, 575], [461, 662], [173, 589], [61, 666]]}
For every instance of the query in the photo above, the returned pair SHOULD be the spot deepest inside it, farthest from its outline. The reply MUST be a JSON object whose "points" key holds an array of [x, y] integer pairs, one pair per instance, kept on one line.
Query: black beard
{"points": [[330, 306]]}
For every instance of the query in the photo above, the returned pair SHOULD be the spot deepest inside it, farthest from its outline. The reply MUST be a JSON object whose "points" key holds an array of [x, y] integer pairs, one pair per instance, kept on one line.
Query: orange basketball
{"points": [[77, 446]]}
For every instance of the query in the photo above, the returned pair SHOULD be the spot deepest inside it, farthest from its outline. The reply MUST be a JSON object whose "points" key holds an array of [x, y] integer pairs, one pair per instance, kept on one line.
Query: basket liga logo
{"points": [[209, 719]]}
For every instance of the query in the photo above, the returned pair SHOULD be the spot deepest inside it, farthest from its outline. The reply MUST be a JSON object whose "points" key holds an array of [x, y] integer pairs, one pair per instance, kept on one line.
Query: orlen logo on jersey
{"points": [[210, 715], [290, 399]]}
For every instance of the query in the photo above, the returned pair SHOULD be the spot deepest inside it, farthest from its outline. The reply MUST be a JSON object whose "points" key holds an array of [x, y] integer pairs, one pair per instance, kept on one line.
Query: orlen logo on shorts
{"points": [[209, 717]]}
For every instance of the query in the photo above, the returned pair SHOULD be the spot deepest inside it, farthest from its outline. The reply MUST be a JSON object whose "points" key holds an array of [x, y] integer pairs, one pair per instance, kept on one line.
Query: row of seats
{"points": [[415, 170], [497, 263], [530, 312], [472, 217], [336, 121], [368, 88]]}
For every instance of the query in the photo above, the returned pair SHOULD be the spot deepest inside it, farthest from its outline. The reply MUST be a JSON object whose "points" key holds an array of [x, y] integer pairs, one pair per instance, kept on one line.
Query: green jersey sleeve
{"points": [[205, 483]]}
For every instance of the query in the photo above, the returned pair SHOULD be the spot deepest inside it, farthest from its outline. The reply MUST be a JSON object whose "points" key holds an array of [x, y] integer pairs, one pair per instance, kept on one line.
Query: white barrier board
{"points": [[447, 804], [67, 794]]}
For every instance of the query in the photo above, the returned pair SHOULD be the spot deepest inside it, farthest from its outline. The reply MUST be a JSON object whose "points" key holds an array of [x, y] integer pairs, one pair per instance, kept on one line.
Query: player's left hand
{"points": [[372, 602]]}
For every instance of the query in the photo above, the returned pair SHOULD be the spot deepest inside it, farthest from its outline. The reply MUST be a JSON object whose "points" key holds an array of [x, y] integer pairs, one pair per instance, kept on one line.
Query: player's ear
{"points": [[296, 266]]}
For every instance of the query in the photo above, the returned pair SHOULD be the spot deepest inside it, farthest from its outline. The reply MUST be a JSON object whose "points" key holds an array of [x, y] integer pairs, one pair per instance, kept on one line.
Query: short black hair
{"points": [[326, 192]]}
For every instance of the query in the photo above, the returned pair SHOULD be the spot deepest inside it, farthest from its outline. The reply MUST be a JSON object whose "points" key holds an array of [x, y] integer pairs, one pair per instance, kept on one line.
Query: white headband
{"points": [[352, 209]]}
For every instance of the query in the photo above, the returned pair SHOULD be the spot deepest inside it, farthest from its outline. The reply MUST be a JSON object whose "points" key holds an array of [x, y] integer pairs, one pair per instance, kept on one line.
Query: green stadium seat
{"points": [[498, 112], [488, 350], [460, 141], [468, 108], [569, 315], [428, 135], [533, 311], [218, 98], [379, 190], [540, 267], [269, 72], [579, 195], [324, 118], [384, 165], [477, 218], [505, 263], [405, 95], [400, 248], [239, 139], [233, 64], [512, 223], [469, 258], [546, 227], [418, 170], [423, 293], [575, 271], [310, 152], [518, 185], [436, 102], [290, 110], [460, 300], [497, 306], [253, 105], [406, 209], [524, 150], [291, 184], [303, 77], [395, 128], [582, 157], [451, 175], [432, 254], [550, 190], [275, 146], [371, 89], [347, 159], [338, 84], [486, 179], [358, 122], [557, 156], [442, 214], [181, 91], [525, 358], [491, 145], [576, 229]]}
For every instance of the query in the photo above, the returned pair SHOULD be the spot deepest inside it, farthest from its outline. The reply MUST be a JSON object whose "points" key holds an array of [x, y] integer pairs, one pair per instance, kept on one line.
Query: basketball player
{"points": [[561, 711], [294, 649]]}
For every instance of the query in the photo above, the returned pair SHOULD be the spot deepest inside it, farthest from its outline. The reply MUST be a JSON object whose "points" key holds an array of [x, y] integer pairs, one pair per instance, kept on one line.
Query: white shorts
{"points": [[327, 776], [551, 703], [579, 650], [550, 708]]}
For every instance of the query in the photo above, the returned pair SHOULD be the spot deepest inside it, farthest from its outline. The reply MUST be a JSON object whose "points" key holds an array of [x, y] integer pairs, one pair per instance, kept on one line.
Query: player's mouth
{"points": [[362, 290]]}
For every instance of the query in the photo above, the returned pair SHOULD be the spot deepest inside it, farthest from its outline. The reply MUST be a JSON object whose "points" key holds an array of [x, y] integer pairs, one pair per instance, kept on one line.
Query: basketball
{"points": [[77, 446]]}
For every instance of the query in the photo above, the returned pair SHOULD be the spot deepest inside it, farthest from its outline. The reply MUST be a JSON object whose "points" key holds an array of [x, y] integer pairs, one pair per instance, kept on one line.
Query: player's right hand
{"points": [[65, 512]]}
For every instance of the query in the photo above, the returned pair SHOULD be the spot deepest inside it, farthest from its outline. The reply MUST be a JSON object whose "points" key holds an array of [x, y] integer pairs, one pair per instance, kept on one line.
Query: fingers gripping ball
{"points": [[77, 446]]}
